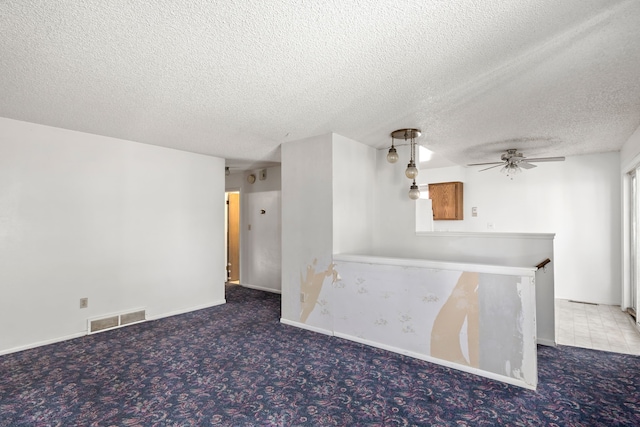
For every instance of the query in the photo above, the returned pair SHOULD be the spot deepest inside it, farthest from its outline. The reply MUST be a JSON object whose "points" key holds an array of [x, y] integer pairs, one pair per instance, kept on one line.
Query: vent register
{"points": [[116, 321]]}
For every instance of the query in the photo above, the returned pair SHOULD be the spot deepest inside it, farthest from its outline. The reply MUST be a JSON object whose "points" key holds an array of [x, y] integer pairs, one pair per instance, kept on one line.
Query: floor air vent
{"points": [[116, 321]]}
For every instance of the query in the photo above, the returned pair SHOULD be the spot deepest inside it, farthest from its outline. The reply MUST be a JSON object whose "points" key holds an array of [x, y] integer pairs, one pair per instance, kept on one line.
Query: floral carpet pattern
{"points": [[237, 365]]}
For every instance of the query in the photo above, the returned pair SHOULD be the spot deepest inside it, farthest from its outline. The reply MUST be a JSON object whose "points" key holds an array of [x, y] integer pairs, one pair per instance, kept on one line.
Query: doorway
{"points": [[233, 237], [634, 218]]}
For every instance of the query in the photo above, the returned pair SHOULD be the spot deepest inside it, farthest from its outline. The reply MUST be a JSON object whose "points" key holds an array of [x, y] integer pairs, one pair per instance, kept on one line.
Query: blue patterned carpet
{"points": [[236, 365]]}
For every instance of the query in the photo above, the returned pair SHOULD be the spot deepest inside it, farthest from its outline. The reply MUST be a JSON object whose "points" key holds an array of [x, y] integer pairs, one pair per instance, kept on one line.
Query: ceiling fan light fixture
{"points": [[512, 162], [511, 169], [511, 153]]}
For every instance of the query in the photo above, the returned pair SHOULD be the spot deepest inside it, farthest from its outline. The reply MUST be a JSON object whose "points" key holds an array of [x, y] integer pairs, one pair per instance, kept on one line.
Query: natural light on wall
{"points": [[424, 154], [424, 191]]}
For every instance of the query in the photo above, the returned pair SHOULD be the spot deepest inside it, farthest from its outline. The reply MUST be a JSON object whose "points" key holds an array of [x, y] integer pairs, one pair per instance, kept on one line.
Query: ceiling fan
{"points": [[513, 161]]}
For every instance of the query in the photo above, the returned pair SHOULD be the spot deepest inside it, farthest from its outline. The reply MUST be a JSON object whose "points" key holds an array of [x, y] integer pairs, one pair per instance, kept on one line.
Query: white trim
{"points": [[446, 363], [262, 288], [86, 332], [307, 327], [187, 310], [486, 235], [438, 265], [475, 371], [546, 342], [625, 241], [41, 343], [634, 163]]}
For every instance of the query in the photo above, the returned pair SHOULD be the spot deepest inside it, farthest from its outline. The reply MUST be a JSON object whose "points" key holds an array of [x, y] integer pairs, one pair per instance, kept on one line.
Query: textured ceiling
{"points": [[236, 79]]}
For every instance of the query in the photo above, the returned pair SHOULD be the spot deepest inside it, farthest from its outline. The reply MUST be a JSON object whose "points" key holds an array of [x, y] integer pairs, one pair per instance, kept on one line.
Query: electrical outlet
{"points": [[302, 297], [84, 302]]}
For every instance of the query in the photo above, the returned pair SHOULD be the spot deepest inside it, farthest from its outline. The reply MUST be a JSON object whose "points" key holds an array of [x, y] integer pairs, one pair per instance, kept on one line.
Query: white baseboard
{"points": [[436, 361], [261, 288], [83, 333], [187, 310], [307, 327], [415, 355], [547, 342], [41, 343]]}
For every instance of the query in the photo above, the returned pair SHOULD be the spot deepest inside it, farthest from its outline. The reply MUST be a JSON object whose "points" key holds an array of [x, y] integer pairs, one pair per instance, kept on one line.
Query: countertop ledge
{"points": [[435, 264]]}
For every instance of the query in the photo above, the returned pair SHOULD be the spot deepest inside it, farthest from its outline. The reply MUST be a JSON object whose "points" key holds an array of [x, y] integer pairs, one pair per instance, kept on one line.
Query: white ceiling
{"points": [[236, 79]]}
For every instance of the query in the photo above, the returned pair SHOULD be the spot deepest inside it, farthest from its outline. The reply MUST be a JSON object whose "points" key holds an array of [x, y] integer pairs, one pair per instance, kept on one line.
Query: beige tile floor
{"points": [[601, 327]]}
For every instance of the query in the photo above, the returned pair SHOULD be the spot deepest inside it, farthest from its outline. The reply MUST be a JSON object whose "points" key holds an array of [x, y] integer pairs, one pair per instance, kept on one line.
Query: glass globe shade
{"points": [[392, 156], [414, 192], [412, 171]]}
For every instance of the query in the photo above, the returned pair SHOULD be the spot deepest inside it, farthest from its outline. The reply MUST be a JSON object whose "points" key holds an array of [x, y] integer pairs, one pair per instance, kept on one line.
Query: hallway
{"points": [[600, 327]]}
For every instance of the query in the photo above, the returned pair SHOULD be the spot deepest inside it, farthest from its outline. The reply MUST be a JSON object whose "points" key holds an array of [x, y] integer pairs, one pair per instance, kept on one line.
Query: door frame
{"points": [[634, 239], [227, 231], [631, 244]]}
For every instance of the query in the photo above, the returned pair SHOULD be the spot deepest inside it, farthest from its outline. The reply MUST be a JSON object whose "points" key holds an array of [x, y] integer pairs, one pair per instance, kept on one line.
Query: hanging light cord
{"points": [[413, 148]]}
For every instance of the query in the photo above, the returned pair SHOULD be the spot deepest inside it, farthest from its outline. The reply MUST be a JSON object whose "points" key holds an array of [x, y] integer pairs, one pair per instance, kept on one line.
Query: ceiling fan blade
{"points": [[525, 165], [547, 159], [491, 167], [483, 164]]}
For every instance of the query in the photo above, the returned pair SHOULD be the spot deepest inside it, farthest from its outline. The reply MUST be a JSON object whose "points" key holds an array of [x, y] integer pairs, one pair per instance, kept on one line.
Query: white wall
{"points": [[127, 225], [234, 181], [261, 246], [327, 207], [353, 195], [578, 199], [307, 215]]}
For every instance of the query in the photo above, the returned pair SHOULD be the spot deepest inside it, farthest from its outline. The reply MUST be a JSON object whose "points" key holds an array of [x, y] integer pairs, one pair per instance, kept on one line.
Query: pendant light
{"points": [[409, 135], [392, 155], [414, 191]]}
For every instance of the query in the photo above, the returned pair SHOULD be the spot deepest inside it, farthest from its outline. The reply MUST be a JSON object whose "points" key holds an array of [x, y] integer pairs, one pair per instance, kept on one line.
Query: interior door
{"points": [[233, 239]]}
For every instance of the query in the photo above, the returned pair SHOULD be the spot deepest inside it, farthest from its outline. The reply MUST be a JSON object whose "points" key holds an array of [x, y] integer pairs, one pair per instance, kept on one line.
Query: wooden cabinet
{"points": [[446, 200]]}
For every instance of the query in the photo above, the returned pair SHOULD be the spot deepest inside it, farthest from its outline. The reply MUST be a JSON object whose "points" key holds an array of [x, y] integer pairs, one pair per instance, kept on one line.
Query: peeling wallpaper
{"points": [[479, 322]]}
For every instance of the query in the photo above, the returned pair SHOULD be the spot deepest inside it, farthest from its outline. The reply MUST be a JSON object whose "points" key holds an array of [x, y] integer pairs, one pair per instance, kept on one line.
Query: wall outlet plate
{"points": [[84, 302]]}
